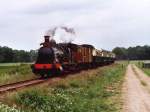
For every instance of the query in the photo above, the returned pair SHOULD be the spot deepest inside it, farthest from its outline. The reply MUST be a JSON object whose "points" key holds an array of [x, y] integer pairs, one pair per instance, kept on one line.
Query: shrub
{"points": [[6, 108], [39, 102]]}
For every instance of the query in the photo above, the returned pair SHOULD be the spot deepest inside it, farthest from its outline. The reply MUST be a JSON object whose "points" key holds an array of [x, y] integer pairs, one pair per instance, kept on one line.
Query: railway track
{"points": [[26, 83], [21, 84]]}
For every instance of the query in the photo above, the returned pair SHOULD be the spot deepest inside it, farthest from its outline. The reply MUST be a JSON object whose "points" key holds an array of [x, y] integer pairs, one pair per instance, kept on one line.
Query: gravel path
{"points": [[136, 94]]}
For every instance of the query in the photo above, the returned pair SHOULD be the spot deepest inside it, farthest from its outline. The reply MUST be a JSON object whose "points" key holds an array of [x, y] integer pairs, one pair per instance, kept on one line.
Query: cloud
{"points": [[104, 24]]}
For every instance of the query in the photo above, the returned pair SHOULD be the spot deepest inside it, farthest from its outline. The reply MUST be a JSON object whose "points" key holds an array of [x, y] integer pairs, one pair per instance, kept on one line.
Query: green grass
{"points": [[92, 91], [9, 64], [10, 73], [137, 63], [140, 65], [12, 64], [6, 108], [146, 71]]}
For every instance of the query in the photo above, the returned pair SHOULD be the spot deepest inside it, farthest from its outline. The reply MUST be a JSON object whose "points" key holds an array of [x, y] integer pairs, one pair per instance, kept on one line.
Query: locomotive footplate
{"points": [[46, 69]]}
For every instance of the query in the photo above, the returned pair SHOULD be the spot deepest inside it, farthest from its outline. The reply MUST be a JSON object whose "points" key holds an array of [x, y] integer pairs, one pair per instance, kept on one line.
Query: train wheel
{"points": [[58, 72], [42, 76], [49, 75]]}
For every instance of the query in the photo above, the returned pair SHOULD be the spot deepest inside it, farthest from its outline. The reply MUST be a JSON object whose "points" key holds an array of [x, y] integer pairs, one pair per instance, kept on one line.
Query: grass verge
{"points": [[146, 71], [91, 91], [14, 73], [6, 108], [140, 65]]}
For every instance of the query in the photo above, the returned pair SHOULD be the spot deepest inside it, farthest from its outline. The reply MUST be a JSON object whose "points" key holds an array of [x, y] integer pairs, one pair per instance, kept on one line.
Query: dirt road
{"points": [[136, 91]]}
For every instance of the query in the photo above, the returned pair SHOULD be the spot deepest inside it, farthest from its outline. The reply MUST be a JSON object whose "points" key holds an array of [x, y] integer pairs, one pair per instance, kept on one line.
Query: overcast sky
{"points": [[102, 23]]}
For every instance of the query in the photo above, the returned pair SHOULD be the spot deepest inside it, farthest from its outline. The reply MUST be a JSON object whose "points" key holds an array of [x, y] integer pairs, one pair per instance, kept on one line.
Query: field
{"points": [[96, 90], [14, 72]]}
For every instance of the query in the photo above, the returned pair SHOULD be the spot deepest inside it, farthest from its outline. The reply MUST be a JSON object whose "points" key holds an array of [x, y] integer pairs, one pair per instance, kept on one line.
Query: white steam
{"points": [[61, 34]]}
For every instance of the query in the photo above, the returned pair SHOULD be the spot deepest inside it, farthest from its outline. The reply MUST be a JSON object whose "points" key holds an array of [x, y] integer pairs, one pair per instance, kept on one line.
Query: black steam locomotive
{"points": [[54, 59]]}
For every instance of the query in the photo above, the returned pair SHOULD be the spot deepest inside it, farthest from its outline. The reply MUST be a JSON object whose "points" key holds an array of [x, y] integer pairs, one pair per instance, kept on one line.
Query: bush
{"points": [[6, 108], [39, 102]]}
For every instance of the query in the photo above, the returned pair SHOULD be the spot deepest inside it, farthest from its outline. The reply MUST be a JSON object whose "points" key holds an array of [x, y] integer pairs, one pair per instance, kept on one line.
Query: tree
{"points": [[33, 55], [133, 53], [9, 55], [6, 54], [121, 53]]}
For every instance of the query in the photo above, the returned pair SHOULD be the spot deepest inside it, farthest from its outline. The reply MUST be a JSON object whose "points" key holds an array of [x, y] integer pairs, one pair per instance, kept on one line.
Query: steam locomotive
{"points": [[54, 59]]}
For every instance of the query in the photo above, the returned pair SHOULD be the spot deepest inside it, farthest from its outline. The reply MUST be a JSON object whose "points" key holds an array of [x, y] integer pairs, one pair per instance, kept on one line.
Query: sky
{"points": [[102, 23]]}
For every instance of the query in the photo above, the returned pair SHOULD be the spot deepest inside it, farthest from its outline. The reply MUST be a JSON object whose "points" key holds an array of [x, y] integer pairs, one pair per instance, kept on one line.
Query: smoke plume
{"points": [[61, 34]]}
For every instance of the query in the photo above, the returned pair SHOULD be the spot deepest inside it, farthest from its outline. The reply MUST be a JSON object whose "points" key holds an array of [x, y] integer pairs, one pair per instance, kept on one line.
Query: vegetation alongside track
{"points": [[6, 108], [140, 65], [146, 71], [93, 90], [10, 73]]}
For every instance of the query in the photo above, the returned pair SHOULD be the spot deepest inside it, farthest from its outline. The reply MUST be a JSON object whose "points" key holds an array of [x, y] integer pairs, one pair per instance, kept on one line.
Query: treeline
{"points": [[132, 53], [9, 55]]}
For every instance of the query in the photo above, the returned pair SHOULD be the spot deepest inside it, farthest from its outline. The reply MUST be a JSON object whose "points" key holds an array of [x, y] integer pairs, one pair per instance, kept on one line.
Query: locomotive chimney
{"points": [[47, 38]]}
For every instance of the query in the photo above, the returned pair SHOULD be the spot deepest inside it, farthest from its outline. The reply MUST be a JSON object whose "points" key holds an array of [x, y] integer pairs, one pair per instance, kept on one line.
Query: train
{"points": [[55, 58]]}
